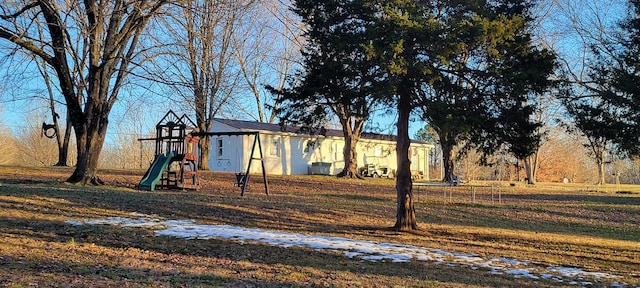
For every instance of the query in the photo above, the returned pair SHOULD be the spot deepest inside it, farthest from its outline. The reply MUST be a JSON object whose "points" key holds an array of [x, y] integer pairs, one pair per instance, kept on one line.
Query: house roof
{"points": [[276, 128]]}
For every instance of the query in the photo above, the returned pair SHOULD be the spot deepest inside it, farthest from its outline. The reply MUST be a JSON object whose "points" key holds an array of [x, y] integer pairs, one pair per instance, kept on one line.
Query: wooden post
{"points": [[473, 195]]}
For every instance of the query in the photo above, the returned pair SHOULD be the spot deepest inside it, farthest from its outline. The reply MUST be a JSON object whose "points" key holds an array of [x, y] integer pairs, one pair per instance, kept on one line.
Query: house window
{"points": [[378, 151], [309, 146], [220, 147], [274, 147]]}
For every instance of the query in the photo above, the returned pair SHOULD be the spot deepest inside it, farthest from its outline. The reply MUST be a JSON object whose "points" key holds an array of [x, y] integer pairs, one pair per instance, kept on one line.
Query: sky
{"points": [[140, 108], [359, 249], [137, 111]]}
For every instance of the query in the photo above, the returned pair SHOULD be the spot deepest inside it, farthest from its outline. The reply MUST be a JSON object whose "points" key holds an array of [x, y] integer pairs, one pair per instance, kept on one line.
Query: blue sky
{"points": [[139, 109]]}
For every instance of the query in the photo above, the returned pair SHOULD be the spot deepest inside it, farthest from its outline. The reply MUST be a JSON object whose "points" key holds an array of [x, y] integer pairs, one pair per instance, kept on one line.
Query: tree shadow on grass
{"points": [[16, 181], [607, 199], [259, 211], [271, 212], [359, 197], [100, 254], [39, 273]]}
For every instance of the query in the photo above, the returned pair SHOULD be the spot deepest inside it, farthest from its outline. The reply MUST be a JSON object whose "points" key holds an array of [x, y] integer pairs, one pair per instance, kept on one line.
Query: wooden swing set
{"points": [[176, 141], [242, 178]]}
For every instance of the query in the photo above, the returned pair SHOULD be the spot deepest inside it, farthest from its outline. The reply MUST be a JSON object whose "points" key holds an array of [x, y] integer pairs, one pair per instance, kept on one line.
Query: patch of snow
{"points": [[366, 250], [522, 272], [577, 272]]}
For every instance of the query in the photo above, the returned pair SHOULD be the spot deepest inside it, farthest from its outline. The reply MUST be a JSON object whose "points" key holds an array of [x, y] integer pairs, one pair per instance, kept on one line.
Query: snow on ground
{"points": [[366, 250]]}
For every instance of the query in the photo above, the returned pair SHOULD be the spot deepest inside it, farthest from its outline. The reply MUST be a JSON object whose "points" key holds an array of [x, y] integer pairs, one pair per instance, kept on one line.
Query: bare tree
{"points": [[548, 109], [62, 139], [126, 151], [33, 69], [575, 29], [92, 46], [8, 147], [563, 156], [571, 27], [202, 71], [267, 47], [631, 172]]}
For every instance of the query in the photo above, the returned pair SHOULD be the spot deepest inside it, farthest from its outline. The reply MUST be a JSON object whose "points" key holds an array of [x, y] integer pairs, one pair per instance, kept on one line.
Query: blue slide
{"points": [[154, 173]]}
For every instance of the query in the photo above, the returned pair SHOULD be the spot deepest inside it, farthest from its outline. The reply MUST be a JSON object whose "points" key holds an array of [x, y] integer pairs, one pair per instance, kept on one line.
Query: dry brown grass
{"points": [[592, 230]]}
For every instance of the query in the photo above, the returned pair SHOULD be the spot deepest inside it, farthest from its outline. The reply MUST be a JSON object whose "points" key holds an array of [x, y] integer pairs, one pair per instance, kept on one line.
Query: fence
{"points": [[449, 194]]}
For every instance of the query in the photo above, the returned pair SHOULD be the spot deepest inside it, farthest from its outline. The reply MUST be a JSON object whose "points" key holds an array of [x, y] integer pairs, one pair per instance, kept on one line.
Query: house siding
{"points": [[284, 153]]}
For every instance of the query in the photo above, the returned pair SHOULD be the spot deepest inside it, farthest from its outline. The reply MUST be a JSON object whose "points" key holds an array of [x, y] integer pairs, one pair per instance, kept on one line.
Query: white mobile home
{"points": [[288, 150]]}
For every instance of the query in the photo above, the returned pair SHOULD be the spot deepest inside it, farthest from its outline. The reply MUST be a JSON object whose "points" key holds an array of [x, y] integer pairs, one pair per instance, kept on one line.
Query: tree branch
{"points": [[19, 12], [20, 41]]}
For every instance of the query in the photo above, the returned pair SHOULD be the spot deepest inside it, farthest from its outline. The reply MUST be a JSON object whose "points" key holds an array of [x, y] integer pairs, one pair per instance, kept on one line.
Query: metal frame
{"points": [[256, 141]]}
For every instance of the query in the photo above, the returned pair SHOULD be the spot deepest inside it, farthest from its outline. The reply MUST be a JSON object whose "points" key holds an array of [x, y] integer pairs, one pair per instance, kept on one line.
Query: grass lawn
{"points": [[589, 228]]}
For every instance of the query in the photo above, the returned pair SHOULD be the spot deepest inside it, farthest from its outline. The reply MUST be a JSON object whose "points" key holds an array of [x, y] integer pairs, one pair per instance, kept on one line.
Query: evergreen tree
{"points": [[337, 77], [606, 109], [616, 74], [474, 53], [471, 65], [485, 99]]}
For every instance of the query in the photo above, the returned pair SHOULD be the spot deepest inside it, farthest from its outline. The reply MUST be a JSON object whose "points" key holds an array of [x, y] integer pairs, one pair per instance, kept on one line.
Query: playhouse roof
{"points": [[172, 119], [276, 128]]}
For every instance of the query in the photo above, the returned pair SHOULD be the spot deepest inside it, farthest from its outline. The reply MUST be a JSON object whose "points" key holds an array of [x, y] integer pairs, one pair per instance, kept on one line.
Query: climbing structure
{"points": [[175, 165]]}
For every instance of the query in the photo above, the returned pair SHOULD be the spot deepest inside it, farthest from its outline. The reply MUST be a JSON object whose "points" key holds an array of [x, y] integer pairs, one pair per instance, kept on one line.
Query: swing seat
{"points": [[240, 179]]}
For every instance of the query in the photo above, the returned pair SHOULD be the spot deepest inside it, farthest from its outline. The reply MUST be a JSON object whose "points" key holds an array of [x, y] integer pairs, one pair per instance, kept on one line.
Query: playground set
{"points": [[176, 162], [175, 165]]}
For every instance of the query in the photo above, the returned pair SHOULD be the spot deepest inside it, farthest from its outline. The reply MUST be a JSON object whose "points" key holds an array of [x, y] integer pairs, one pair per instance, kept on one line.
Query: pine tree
{"points": [[337, 77]]}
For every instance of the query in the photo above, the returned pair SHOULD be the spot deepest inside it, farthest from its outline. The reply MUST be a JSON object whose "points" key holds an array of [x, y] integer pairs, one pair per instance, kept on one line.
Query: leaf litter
{"points": [[352, 248]]}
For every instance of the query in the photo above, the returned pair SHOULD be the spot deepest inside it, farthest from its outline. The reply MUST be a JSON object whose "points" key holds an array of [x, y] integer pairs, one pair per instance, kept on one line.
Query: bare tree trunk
{"points": [[530, 168], [349, 152], [600, 163], [205, 147], [205, 142], [405, 212], [63, 156], [351, 130], [89, 146], [527, 169], [447, 160], [200, 100], [61, 139], [350, 159]]}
